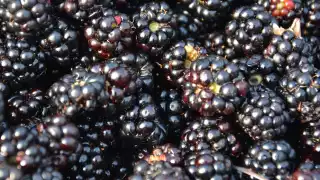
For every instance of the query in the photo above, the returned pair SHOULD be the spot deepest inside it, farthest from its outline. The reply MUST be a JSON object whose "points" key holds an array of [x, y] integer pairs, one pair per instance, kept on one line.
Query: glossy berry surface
{"points": [[155, 32], [274, 159], [264, 115], [213, 85], [159, 89]]}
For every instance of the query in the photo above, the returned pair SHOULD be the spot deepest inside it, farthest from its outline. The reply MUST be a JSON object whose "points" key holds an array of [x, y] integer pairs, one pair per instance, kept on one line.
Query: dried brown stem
{"points": [[295, 28], [250, 173]]}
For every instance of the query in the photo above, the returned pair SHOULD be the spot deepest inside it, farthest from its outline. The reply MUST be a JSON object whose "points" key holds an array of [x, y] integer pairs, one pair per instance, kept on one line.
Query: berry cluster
{"points": [[160, 89]]}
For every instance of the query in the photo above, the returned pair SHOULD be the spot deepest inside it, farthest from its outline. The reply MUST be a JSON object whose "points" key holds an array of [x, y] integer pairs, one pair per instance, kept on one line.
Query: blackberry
{"points": [[142, 125], [10, 172], [314, 41], [187, 25], [78, 91], [313, 175], [47, 173], [22, 63], [90, 163], [122, 83], [83, 11], [25, 17], [110, 34], [284, 11], [154, 29], [311, 136], [179, 57], [250, 29], [60, 137], [60, 41], [312, 16], [307, 170], [214, 85], [98, 129], [273, 159], [216, 43], [141, 64], [167, 152], [308, 165], [264, 115], [213, 133], [208, 11], [26, 106], [299, 87], [20, 148], [207, 165], [288, 50], [173, 111], [258, 70], [157, 171]]}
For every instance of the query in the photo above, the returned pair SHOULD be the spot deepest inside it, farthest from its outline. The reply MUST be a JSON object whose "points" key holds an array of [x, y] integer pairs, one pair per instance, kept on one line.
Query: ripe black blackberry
{"points": [[179, 57], [308, 166], [207, 165], [214, 85], [264, 115], [173, 111], [307, 170], [299, 87], [216, 43], [314, 41], [22, 63], [213, 133], [90, 163], [154, 29], [285, 11], [258, 70], [208, 11], [98, 129], [289, 50], [141, 125], [158, 170], [187, 25], [25, 17], [20, 148], [312, 16], [110, 34], [78, 91], [83, 11], [60, 40], [25, 106], [61, 138], [139, 63], [311, 136], [10, 172], [250, 30], [47, 173], [273, 159], [311, 175], [122, 83]]}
